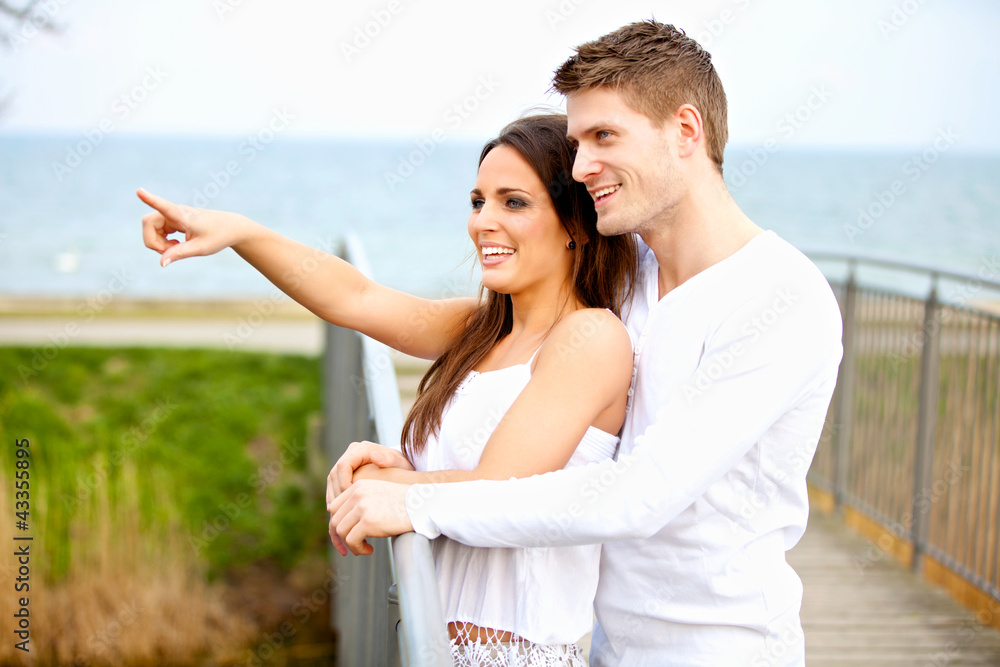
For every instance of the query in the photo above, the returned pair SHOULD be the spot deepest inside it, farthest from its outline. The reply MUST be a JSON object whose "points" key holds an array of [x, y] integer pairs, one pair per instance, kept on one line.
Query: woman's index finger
{"points": [[167, 208]]}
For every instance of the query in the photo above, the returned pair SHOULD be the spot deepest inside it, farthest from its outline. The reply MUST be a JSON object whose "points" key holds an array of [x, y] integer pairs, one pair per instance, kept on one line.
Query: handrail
{"points": [[379, 374], [417, 628], [933, 270]]}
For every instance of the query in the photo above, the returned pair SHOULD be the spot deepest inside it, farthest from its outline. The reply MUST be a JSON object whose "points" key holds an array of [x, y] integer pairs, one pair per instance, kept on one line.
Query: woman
{"points": [[542, 358]]}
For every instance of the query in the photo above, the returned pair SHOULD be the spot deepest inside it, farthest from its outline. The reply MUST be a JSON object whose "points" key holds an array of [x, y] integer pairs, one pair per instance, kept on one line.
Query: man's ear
{"points": [[690, 130]]}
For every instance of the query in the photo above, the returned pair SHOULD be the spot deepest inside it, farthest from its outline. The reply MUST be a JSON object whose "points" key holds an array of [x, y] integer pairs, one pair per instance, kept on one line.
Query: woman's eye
{"points": [[514, 202], [477, 204]]}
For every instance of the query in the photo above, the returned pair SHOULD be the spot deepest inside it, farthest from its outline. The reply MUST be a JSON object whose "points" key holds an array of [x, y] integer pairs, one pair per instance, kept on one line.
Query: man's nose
{"points": [[584, 166]]}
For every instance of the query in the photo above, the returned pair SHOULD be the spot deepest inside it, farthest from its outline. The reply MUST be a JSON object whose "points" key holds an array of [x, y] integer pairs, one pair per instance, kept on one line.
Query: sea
{"points": [[70, 220]]}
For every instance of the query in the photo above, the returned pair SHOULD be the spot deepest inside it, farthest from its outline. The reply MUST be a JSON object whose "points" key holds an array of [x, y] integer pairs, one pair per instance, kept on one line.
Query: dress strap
{"points": [[529, 362]]}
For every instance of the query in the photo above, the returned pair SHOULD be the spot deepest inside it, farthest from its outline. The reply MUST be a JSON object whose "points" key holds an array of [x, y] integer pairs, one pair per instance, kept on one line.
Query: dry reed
{"points": [[134, 593]]}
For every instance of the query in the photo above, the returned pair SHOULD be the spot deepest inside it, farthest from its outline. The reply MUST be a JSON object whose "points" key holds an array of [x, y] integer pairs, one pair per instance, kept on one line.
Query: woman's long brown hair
{"points": [[604, 271]]}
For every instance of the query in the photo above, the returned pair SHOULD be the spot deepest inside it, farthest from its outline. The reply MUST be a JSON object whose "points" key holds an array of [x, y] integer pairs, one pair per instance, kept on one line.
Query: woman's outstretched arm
{"points": [[325, 284]]}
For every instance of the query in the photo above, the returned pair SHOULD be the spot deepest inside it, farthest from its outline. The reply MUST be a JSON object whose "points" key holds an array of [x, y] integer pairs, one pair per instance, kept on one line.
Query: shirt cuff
{"points": [[418, 510]]}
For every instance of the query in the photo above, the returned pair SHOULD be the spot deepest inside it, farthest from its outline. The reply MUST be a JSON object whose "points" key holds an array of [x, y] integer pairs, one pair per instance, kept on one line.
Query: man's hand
{"points": [[370, 508], [357, 455]]}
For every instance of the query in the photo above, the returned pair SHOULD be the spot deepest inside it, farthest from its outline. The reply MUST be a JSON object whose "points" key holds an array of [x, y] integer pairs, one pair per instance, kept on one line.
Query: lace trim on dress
{"points": [[517, 653]]}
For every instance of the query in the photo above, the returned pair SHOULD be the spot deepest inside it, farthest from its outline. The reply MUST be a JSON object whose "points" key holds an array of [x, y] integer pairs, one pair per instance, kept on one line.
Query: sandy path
{"points": [[274, 335]]}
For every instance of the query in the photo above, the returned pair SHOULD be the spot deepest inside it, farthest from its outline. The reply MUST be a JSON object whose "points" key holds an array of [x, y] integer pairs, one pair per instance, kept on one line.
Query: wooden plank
{"points": [[861, 607]]}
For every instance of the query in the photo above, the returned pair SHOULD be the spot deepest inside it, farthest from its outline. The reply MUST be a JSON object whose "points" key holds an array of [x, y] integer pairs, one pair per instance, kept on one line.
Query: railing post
{"points": [[926, 425], [393, 638], [843, 413]]}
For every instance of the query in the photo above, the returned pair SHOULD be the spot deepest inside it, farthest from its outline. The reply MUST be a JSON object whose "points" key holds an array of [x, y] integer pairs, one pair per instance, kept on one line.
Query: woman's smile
{"points": [[492, 254]]}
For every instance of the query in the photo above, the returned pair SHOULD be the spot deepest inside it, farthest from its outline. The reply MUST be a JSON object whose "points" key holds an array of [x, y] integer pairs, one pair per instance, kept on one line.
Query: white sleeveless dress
{"points": [[543, 596]]}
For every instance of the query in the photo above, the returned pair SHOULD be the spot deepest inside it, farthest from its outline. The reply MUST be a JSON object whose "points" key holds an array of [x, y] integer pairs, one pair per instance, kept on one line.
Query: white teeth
{"points": [[494, 250], [605, 191]]}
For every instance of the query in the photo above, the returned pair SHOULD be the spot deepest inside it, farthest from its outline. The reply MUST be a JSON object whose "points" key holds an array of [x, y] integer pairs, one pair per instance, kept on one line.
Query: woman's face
{"points": [[520, 242]]}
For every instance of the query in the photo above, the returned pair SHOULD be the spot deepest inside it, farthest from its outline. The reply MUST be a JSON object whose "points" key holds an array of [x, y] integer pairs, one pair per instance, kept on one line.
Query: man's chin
{"points": [[608, 225]]}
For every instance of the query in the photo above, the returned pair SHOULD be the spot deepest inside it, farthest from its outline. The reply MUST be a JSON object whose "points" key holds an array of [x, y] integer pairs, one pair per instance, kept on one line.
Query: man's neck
{"points": [[705, 229]]}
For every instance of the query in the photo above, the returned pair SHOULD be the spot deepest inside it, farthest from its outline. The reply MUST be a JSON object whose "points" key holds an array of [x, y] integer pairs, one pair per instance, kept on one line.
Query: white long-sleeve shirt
{"points": [[733, 373]]}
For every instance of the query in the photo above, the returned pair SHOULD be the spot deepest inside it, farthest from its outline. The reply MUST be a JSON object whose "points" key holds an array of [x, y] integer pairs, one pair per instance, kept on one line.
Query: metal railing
{"points": [[386, 608], [912, 440]]}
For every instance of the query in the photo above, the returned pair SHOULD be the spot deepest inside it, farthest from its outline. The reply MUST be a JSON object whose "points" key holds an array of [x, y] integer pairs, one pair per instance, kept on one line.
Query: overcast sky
{"points": [[853, 73]]}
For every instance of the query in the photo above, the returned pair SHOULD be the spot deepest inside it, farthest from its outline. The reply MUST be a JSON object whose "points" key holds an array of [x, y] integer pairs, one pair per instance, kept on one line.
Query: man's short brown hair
{"points": [[656, 68]]}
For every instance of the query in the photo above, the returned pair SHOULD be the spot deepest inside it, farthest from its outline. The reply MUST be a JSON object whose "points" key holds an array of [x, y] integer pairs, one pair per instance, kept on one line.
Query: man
{"points": [[737, 345]]}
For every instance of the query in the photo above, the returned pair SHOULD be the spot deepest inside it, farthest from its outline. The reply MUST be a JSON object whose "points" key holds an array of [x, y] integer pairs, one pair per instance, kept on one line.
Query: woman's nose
{"points": [[486, 219]]}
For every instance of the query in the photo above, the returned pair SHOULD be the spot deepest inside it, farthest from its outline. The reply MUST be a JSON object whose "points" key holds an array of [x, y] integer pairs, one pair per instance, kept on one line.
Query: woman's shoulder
{"points": [[591, 321], [592, 335]]}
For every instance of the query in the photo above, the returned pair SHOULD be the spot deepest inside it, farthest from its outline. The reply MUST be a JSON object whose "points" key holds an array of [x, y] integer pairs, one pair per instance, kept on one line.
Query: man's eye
{"points": [[603, 134]]}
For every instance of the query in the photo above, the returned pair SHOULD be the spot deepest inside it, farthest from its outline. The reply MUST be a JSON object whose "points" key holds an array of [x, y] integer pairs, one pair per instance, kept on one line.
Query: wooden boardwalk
{"points": [[860, 608]]}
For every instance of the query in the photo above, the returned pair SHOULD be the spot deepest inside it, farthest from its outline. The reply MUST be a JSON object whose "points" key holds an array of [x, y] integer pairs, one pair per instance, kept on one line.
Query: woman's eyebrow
{"points": [[500, 191]]}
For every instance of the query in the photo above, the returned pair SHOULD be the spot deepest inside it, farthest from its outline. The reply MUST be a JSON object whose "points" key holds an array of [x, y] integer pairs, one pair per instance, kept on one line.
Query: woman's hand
{"points": [[357, 455], [206, 232]]}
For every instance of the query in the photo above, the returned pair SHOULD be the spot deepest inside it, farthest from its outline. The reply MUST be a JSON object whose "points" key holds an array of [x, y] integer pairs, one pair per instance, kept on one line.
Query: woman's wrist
{"points": [[246, 232], [368, 471]]}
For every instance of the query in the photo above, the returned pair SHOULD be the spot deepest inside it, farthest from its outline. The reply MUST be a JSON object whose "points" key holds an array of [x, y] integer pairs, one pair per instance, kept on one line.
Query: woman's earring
{"points": [[572, 245]]}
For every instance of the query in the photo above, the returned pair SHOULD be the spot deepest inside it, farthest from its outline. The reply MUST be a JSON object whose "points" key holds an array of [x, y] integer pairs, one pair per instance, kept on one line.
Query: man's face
{"points": [[627, 163]]}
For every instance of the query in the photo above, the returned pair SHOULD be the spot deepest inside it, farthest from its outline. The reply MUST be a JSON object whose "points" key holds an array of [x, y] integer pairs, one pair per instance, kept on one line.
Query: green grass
{"points": [[220, 440]]}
